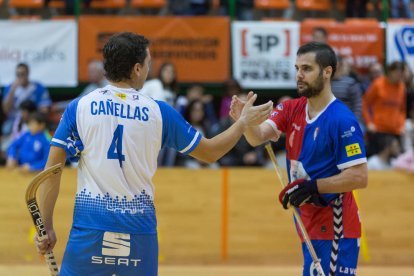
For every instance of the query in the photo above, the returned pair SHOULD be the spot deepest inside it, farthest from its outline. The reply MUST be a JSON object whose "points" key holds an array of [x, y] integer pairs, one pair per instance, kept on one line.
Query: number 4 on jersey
{"points": [[115, 149]]}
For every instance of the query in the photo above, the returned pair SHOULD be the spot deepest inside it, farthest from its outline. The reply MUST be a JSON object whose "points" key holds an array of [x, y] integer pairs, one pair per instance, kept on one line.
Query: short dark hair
{"points": [[28, 105], [121, 53], [396, 65], [321, 29], [24, 65], [324, 54], [39, 117]]}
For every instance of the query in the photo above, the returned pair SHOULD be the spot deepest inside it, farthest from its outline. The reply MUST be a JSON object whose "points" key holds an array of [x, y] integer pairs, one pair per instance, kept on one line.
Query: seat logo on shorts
{"points": [[116, 244]]}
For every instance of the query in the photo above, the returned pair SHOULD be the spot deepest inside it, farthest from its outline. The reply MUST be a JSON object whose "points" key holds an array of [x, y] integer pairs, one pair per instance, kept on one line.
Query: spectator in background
{"points": [[405, 161], [20, 90], [232, 87], [384, 105], [389, 148], [196, 92], [401, 9], [244, 9], [29, 152], [375, 70], [347, 89], [320, 34], [356, 8], [189, 7], [196, 116], [20, 125], [163, 88], [96, 77]]}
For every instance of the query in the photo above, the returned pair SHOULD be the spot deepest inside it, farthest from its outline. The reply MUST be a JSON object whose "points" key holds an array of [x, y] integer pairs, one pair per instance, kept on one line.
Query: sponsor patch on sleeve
{"points": [[353, 149]]}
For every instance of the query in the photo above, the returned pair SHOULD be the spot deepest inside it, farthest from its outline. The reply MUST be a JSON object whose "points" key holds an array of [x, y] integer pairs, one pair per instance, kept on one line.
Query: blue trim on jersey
{"points": [[136, 216], [67, 125], [177, 133]]}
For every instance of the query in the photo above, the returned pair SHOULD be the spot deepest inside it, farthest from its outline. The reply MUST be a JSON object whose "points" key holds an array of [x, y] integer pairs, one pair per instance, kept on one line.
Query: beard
{"points": [[311, 90]]}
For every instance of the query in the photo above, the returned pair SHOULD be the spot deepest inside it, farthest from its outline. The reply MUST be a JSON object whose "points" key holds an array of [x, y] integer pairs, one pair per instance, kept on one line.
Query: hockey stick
{"points": [[35, 211], [316, 262]]}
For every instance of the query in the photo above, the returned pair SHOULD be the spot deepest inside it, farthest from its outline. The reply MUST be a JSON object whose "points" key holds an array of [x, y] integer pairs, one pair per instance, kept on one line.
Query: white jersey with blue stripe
{"points": [[122, 132]]}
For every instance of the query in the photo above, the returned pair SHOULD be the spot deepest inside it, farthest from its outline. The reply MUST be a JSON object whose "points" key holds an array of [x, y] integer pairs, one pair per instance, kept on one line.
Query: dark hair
{"points": [[121, 53], [24, 65], [38, 117], [324, 55], [189, 109], [28, 105], [396, 65], [173, 85], [320, 29]]}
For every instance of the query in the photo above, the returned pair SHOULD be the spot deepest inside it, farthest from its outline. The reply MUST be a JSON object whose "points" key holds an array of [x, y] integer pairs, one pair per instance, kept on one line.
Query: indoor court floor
{"points": [[216, 270]]}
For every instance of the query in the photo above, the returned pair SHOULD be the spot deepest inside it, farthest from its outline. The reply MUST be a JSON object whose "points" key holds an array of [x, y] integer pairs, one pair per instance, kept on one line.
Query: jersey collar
{"points": [[310, 121]]}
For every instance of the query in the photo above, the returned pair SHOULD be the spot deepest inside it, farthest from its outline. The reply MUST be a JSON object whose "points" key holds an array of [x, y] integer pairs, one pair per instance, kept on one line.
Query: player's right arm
{"points": [[180, 135], [257, 134], [47, 196]]}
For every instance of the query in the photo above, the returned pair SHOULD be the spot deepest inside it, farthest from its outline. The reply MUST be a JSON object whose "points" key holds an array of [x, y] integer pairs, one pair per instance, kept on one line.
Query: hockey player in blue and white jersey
{"points": [[122, 131]]}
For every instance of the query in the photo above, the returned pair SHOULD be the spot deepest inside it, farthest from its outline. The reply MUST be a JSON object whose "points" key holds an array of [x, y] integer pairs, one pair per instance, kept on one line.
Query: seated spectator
{"points": [[320, 34], [163, 88], [389, 149], [196, 92], [29, 152], [20, 90], [356, 8], [401, 9], [20, 125], [96, 77], [189, 7], [195, 115], [232, 87]]}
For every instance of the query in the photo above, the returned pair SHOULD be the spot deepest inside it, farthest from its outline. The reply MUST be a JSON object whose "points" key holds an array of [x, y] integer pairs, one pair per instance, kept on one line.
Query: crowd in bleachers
{"points": [[243, 9], [382, 100]]}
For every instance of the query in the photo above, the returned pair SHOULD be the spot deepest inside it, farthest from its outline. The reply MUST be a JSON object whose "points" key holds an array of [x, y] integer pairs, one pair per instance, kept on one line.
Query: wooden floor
{"points": [[221, 270]]}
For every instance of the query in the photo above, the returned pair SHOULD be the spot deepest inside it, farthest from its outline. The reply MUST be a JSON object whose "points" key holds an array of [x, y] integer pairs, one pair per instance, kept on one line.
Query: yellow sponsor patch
{"points": [[121, 95], [353, 149]]}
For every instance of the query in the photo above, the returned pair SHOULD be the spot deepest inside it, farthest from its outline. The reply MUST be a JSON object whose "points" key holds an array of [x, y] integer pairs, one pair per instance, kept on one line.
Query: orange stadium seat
{"points": [[271, 4], [148, 4], [319, 21], [57, 4], [108, 4], [361, 21], [313, 5], [26, 4]]}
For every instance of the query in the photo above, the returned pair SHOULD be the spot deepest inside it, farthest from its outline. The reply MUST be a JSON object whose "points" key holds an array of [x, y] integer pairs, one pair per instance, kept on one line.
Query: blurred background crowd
{"points": [[382, 98]]}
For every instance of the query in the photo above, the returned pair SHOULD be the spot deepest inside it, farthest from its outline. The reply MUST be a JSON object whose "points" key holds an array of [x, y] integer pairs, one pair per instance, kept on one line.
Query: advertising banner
{"points": [[360, 44], [50, 48], [400, 42], [264, 54], [197, 46]]}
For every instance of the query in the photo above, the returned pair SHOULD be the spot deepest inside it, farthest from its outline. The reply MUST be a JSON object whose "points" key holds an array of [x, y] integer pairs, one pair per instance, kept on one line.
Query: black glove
{"points": [[300, 192]]}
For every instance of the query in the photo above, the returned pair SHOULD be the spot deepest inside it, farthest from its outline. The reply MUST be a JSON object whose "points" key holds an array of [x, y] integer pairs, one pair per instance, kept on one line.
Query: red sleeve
{"points": [[279, 117]]}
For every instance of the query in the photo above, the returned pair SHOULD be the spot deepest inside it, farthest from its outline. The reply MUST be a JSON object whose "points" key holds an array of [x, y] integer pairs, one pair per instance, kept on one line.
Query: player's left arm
{"points": [[355, 177]]}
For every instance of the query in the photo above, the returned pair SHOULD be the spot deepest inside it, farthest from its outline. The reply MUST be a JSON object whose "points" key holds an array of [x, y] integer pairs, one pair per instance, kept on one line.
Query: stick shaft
{"points": [[302, 228]]}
